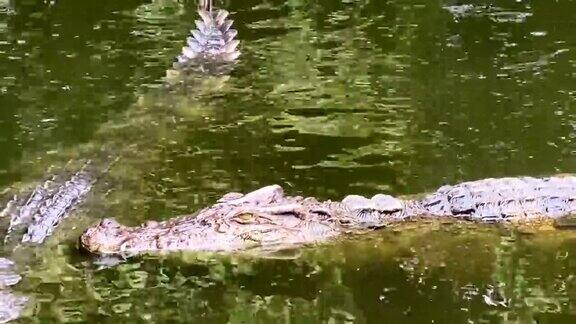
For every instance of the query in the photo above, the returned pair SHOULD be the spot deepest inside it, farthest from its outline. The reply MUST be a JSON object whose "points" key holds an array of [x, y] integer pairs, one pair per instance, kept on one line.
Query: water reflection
{"points": [[413, 274]]}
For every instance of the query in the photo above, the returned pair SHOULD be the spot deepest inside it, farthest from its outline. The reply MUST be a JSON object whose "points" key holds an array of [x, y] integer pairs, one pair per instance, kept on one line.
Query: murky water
{"points": [[329, 98]]}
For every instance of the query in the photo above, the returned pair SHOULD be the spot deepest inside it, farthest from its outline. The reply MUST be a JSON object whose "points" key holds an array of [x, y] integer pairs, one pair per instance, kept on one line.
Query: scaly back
{"points": [[494, 200], [213, 40]]}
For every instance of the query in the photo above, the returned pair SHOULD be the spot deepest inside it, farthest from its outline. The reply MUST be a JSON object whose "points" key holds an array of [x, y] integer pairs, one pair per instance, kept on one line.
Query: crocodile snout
{"points": [[105, 238]]}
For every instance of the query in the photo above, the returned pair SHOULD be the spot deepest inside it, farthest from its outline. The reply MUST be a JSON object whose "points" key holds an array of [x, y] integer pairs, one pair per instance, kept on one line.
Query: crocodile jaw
{"points": [[105, 238], [111, 238]]}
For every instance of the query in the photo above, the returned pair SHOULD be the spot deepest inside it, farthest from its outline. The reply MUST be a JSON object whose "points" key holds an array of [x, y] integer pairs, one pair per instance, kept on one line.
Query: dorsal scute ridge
{"points": [[213, 41]]}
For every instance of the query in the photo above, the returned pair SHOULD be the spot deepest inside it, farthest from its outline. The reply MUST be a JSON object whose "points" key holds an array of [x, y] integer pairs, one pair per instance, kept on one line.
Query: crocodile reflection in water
{"points": [[269, 219]]}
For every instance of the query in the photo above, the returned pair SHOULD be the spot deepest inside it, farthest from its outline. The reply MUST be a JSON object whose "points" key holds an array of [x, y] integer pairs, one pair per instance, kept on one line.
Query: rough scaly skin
{"points": [[212, 41], [33, 219], [57, 206], [262, 217], [267, 218], [47, 205], [211, 50], [11, 304], [494, 200]]}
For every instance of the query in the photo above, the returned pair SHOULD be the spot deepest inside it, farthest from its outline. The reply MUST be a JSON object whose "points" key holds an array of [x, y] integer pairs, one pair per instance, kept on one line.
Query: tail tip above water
{"points": [[212, 41]]}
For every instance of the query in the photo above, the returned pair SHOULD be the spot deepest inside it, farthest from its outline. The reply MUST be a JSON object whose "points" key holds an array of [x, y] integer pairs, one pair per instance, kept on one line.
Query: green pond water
{"points": [[328, 98]]}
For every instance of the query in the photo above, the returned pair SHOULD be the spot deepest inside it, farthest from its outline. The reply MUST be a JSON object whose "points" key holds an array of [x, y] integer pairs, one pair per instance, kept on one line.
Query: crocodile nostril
{"points": [[109, 222], [125, 246]]}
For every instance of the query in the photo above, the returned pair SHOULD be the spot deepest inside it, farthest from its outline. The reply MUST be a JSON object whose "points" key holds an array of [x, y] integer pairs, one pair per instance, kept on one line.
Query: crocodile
{"points": [[40, 212], [11, 304], [33, 217], [30, 217], [212, 48], [268, 219]]}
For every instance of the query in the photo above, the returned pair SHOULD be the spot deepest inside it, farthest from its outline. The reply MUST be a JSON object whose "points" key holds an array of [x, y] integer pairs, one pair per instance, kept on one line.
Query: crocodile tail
{"points": [[212, 40], [205, 5]]}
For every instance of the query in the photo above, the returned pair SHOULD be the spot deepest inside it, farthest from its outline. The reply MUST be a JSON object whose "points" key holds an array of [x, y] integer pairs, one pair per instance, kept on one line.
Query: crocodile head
{"points": [[105, 238], [262, 218], [112, 238]]}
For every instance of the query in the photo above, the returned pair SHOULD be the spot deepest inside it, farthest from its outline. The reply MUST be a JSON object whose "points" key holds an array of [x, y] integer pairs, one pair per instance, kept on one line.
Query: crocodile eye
{"points": [[244, 218]]}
